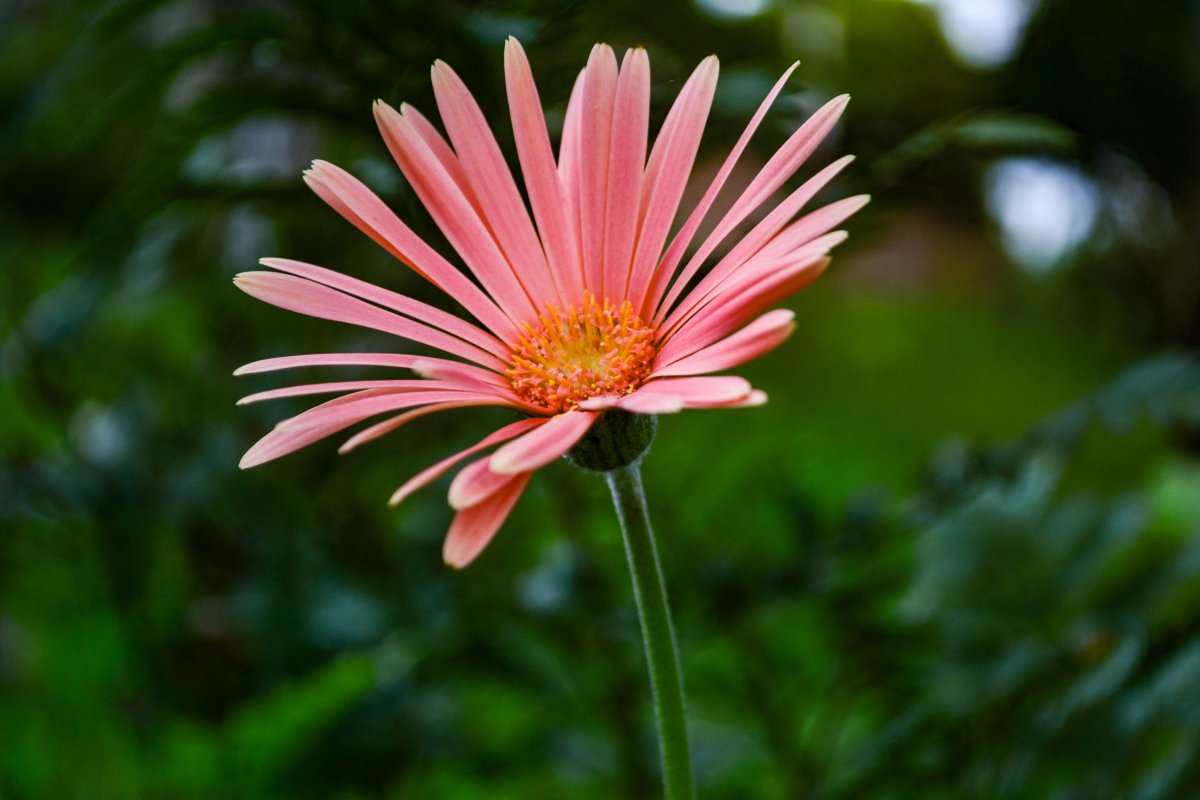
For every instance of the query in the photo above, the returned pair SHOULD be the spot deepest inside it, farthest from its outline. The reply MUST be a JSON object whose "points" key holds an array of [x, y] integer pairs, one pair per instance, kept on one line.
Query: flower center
{"points": [[575, 354]]}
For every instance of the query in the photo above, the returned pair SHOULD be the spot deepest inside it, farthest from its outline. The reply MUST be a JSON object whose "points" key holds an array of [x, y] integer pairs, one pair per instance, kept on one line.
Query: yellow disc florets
{"points": [[575, 354]]}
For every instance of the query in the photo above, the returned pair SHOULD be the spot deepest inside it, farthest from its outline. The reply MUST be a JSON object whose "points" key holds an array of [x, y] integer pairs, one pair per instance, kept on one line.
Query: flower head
{"points": [[587, 306], [568, 357]]}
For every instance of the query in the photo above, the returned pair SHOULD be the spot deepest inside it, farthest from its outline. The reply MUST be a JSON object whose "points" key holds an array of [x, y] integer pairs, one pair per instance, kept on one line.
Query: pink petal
{"points": [[755, 399], [810, 226], [729, 312], [777, 170], [473, 528], [393, 423], [457, 372], [280, 441], [782, 214], [764, 334], [492, 184], [667, 172], [422, 312], [763, 232], [373, 402], [400, 360], [655, 275], [772, 258], [626, 159], [474, 484], [726, 311], [761, 268], [356, 386], [746, 278], [745, 281], [453, 213], [305, 297], [431, 474], [440, 149], [599, 93], [601, 402], [359, 205], [277, 444], [539, 447], [648, 402], [546, 195], [425, 366], [708, 391], [570, 152]]}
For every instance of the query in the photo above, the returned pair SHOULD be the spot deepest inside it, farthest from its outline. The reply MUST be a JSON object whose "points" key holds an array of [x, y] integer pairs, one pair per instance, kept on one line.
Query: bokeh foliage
{"points": [[955, 556]]}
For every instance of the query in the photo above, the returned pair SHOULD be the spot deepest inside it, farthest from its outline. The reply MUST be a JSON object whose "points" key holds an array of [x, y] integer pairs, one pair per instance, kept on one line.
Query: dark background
{"points": [[955, 556]]}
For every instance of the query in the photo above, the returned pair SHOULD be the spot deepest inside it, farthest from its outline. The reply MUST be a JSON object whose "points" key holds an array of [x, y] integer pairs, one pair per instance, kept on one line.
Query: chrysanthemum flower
{"points": [[587, 306]]}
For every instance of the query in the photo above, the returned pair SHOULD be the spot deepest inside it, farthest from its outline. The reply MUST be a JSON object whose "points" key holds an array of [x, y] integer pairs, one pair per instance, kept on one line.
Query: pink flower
{"points": [[580, 309]]}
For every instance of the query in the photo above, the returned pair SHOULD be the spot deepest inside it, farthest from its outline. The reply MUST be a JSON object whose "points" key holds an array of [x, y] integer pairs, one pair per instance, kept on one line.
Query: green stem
{"points": [[658, 634]]}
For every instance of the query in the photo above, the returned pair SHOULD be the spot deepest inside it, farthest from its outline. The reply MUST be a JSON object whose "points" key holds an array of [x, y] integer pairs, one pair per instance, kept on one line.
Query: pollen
{"points": [[574, 354]]}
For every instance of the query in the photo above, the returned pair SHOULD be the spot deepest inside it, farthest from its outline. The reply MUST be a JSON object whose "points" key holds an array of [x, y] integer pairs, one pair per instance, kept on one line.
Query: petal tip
{"points": [[832, 111], [859, 201], [503, 465], [757, 398], [384, 111]]}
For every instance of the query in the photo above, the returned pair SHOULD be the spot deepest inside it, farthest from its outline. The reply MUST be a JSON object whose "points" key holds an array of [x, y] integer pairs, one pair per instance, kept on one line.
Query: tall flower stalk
{"points": [[585, 317], [615, 447], [658, 632]]}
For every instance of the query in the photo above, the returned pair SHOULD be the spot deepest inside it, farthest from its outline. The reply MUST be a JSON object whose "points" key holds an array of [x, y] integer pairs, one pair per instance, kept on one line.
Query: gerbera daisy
{"points": [[586, 309]]}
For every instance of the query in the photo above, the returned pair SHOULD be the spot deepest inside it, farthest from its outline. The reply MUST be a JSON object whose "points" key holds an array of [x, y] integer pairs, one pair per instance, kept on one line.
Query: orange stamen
{"points": [[570, 356]]}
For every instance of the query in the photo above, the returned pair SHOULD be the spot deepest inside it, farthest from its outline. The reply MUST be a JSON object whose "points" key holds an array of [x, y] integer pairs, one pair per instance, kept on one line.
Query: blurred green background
{"points": [[955, 556]]}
